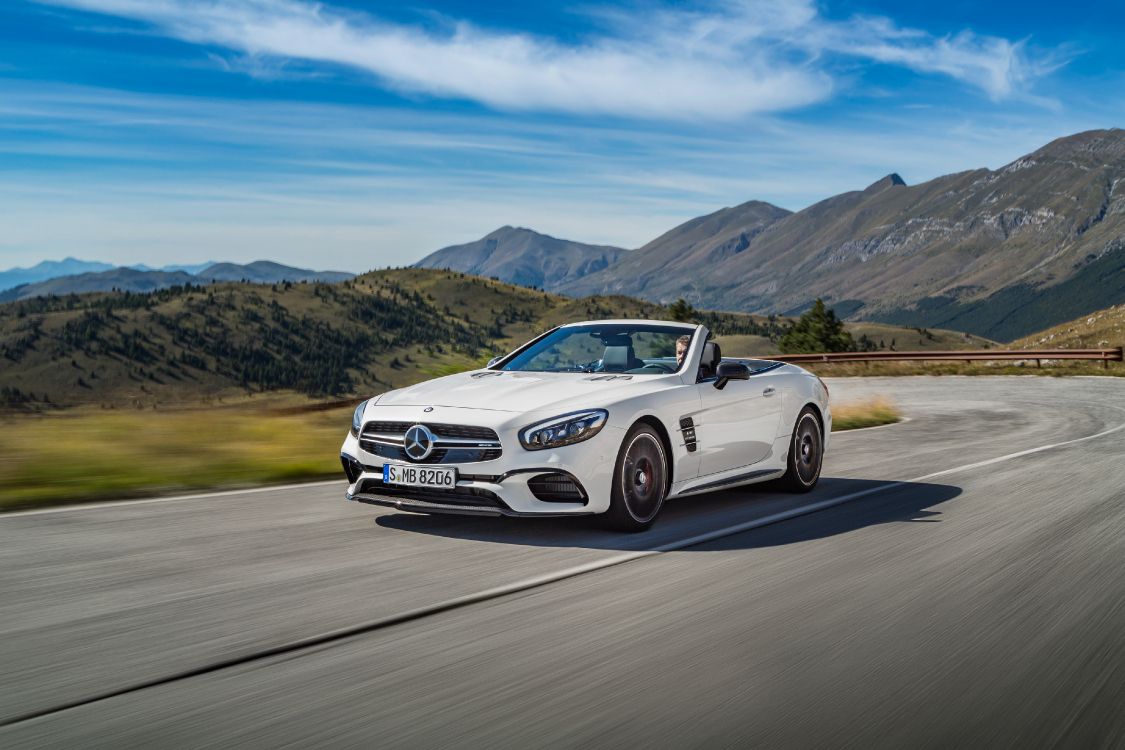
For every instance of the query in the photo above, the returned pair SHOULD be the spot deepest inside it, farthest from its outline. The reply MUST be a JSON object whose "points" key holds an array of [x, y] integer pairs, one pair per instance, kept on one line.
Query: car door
{"points": [[737, 424]]}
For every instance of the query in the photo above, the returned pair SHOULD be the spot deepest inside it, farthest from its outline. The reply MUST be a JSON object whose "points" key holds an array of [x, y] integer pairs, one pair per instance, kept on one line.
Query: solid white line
{"points": [[169, 499], [709, 536], [571, 572], [755, 523], [624, 557]]}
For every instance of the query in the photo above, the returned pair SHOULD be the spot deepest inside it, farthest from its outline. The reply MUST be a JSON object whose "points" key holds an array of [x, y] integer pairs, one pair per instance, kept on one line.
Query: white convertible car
{"points": [[599, 417]]}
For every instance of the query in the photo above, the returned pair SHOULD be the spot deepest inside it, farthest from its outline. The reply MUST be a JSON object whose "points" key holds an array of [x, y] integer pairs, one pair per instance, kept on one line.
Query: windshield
{"points": [[635, 349]]}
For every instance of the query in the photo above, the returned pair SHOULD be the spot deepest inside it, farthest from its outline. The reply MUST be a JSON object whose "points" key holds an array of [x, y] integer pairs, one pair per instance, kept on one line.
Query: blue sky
{"points": [[357, 135]]}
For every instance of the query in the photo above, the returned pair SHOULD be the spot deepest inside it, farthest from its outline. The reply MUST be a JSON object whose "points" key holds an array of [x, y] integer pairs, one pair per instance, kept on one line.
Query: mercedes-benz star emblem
{"points": [[419, 442]]}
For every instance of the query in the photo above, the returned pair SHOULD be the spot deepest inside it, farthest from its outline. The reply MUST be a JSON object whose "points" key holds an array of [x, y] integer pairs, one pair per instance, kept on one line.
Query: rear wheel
{"points": [[806, 454], [640, 481]]}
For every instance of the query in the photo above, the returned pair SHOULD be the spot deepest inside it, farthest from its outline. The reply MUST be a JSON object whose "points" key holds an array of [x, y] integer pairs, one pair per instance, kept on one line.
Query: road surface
{"points": [[963, 582]]}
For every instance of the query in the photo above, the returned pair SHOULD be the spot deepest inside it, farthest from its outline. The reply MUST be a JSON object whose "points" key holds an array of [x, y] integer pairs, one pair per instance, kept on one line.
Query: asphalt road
{"points": [[962, 595]]}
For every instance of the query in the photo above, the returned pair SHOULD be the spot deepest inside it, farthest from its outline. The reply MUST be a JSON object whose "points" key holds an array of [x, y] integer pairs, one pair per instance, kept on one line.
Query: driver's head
{"points": [[682, 344]]}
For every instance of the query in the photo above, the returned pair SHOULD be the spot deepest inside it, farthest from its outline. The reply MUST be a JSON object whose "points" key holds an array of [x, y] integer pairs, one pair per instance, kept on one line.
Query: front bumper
{"points": [[498, 487]]}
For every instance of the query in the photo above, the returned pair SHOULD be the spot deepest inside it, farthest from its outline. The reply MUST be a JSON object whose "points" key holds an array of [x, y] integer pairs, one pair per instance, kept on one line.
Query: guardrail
{"points": [[1105, 356]]}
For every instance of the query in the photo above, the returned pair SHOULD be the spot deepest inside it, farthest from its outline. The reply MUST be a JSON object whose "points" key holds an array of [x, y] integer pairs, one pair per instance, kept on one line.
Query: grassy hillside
{"points": [[1097, 329], [875, 336], [190, 345]]}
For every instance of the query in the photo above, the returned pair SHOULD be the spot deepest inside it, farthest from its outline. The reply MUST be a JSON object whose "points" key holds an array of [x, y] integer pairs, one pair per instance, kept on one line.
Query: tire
{"points": [[640, 481], [806, 454]]}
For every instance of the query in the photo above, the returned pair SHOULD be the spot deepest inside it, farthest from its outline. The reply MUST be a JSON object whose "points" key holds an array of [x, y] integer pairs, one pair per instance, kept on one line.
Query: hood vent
{"points": [[612, 377]]}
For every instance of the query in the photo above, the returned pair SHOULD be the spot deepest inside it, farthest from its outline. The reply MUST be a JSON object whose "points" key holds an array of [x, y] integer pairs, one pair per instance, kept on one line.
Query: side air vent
{"points": [[687, 429]]}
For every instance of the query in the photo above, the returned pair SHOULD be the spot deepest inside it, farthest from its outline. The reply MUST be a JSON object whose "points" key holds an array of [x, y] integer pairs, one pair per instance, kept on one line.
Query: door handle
{"points": [[769, 391]]}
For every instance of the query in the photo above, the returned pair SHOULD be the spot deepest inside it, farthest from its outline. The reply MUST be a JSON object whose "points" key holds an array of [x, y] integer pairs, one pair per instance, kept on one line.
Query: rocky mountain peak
{"points": [[882, 184]]}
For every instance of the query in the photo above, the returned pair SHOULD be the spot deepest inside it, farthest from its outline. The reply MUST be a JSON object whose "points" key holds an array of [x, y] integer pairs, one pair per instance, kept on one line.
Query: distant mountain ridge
{"points": [[525, 257], [268, 272], [999, 253], [49, 269], [130, 279]]}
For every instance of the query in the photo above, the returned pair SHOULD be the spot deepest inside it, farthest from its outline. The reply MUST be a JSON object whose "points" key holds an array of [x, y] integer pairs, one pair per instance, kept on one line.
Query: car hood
{"points": [[519, 391]]}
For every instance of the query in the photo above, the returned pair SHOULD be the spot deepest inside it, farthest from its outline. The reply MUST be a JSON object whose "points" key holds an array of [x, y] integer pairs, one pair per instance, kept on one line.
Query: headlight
{"points": [[563, 429], [357, 418]]}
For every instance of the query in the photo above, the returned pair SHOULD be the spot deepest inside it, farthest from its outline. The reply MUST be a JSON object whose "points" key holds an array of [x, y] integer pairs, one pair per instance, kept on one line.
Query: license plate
{"points": [[443, 478]]}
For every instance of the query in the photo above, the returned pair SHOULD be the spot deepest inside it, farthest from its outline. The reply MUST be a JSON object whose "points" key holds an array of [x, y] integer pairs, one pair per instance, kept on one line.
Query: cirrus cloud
{"points": [[714, 62]]}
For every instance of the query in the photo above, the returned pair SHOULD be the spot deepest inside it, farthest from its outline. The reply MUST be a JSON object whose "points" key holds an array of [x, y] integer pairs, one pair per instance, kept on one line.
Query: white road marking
{"points": [[577, 570], [527, 583]]}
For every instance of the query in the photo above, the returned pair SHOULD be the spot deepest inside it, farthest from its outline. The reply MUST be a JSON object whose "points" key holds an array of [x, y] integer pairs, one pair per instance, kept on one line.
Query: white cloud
{"points": [[997, 66], [715, 62]]}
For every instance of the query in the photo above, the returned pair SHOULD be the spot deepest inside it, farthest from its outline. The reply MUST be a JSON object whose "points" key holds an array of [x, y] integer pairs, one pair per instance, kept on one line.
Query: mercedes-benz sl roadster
{"points": [[607, 417]]}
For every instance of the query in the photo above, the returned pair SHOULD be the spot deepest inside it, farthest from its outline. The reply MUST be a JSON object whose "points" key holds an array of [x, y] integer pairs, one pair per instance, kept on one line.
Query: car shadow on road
{"points": [[883, 502]]}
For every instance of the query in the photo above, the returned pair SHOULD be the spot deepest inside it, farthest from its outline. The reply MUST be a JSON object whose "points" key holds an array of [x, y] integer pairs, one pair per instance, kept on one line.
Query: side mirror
{"points": [[731, 371], [494, 360]]}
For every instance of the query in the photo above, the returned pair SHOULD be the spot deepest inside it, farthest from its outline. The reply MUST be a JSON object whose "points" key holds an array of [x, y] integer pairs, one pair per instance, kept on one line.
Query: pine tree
{"points": [[681, 311], [817, 330]]}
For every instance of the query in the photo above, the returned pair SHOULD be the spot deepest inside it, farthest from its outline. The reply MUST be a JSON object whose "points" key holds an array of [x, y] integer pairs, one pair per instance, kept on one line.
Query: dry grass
{"points": [[868, 413], [72, 457], [1097, 329]]}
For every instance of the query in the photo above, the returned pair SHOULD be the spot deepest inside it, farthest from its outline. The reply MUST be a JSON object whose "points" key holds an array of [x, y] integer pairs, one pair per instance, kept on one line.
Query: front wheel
{"points": [[640, 481], [806, 454]]}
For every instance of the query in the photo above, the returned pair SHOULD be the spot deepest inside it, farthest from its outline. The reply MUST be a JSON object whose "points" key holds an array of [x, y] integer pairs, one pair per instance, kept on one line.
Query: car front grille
{"points": [[453, 443]]}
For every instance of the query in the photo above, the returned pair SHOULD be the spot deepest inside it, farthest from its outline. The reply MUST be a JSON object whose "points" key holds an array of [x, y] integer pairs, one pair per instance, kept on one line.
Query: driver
{"points": [[682, 344]]}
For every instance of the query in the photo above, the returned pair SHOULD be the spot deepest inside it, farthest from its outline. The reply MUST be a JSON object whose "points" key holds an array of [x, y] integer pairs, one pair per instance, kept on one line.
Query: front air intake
{"points": [[556, 488]]}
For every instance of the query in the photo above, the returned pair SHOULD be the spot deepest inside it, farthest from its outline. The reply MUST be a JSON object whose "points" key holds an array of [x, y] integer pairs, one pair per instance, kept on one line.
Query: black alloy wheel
{"points": [[806, 453], [640, 481]]}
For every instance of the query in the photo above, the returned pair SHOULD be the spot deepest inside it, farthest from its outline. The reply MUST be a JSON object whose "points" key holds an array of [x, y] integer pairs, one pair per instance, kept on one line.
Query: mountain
{"points": [[268, 272], [128, 279], [117, 279], [670, 266], [49, 269], [522, 256], [192, 268], [1000, 253]]}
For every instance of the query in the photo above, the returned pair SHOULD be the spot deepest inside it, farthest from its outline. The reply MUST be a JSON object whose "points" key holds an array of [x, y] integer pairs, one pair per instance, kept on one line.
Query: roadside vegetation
{"points": [[83, 456], [819, 330], [867, 413]]}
